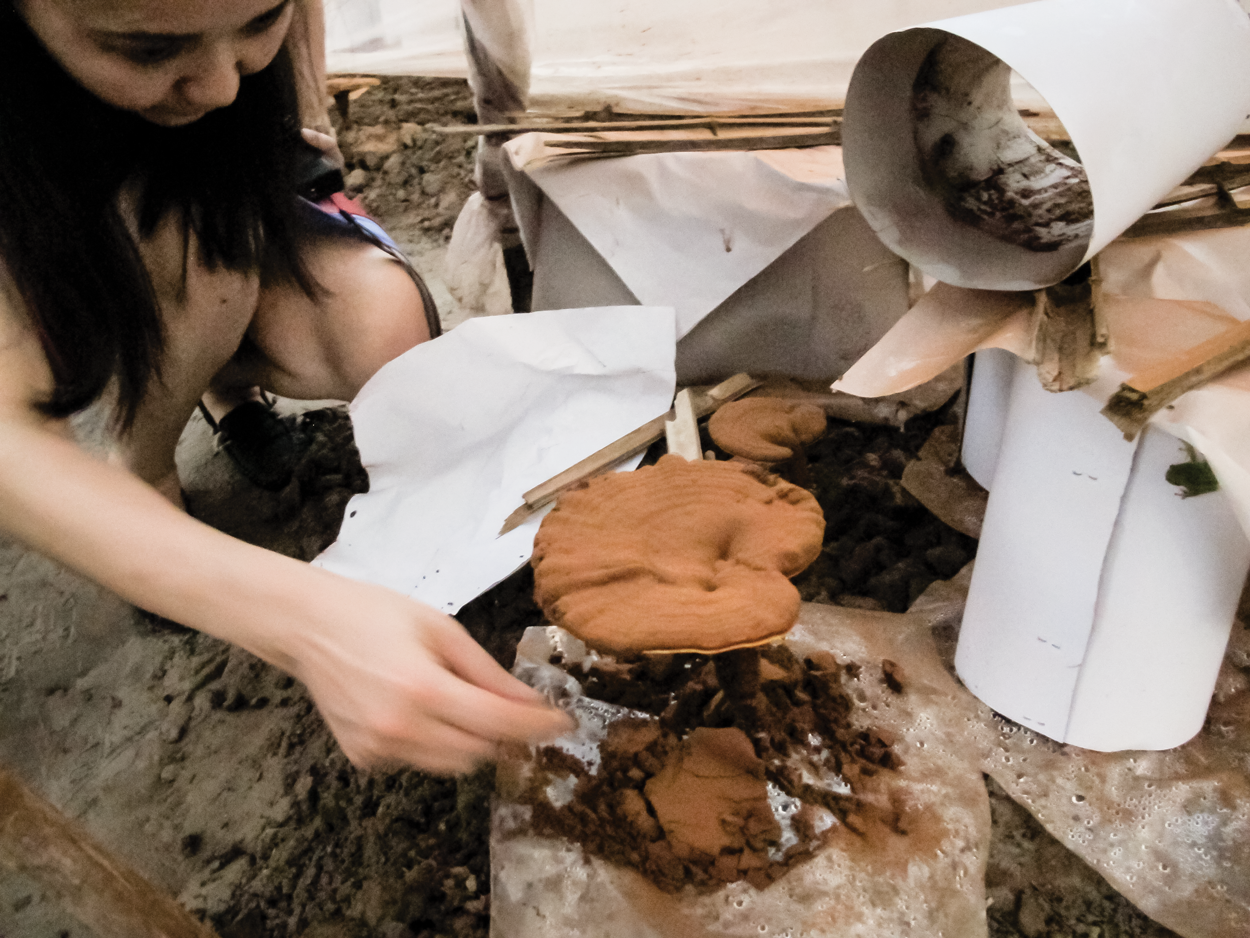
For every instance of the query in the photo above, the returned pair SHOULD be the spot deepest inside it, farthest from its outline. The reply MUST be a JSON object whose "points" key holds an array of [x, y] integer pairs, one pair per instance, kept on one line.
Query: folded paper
{"points": [[770, 267], [688, 229], [454, 431]]}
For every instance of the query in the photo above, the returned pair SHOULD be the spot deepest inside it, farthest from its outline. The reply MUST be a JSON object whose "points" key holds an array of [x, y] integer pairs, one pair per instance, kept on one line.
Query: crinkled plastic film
{"points": [[929, 881], [648, 54], [1169, 830]]}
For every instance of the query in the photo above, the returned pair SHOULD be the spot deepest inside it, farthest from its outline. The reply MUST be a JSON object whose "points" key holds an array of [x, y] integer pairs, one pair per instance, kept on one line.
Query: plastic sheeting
{"points": [[925, 876], [651, 54]]}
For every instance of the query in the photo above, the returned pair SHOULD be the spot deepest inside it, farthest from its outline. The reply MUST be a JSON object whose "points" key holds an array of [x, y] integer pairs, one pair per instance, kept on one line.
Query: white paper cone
{"points": [[947, 174], [1101, 600]]}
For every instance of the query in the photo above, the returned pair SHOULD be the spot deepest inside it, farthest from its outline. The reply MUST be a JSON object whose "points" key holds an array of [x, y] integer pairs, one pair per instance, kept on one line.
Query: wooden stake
{"points": [[98, 889], [1149, 391]]}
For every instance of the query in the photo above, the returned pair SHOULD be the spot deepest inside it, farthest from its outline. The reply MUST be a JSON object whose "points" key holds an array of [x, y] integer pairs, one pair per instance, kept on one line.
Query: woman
{"points": [[149, 247]]}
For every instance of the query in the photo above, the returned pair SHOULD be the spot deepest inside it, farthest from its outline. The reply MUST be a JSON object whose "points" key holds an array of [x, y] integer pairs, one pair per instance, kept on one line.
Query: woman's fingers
{"points": [[483, 711], [472, 662], [437, 748], [412, 686]]}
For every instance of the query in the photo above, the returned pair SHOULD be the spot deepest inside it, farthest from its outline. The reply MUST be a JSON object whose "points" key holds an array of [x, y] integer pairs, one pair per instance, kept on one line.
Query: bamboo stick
{"points": [[607, 115], [98, 889], [606, 148], [681, 430], [1176, 222], [704, 402], [581, 127], [1149, 391]]}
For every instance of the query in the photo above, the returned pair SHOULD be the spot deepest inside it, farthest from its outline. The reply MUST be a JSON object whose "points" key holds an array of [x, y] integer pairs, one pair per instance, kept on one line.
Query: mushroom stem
{"points": [[798, 470], [738, 673]]}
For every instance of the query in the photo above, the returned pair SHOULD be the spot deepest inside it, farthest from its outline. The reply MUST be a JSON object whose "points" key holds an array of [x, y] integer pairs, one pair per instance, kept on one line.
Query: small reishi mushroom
{"points": [[769, 430], [680, 557]]}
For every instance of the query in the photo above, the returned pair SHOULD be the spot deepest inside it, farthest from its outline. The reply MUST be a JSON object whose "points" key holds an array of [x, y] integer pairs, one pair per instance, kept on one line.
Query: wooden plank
{"points": [[1160, 223], [97, 888], [1149, 391]]}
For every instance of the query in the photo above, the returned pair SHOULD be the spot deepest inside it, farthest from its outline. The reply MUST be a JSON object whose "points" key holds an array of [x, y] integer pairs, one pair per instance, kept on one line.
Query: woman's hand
{"points": [[397, 681], [401, 683]]}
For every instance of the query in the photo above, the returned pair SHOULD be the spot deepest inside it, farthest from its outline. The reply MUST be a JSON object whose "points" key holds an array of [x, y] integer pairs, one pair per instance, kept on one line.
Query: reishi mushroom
{"points": [[679, 557], [769, 430]]}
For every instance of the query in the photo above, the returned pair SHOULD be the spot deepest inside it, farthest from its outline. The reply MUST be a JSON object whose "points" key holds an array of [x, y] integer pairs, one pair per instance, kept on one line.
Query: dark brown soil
{"points": [[404, 171], [793, 729]]}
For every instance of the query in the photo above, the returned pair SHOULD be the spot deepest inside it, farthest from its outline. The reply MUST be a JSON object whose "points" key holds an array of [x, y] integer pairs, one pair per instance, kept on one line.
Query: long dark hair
{"points": [[64, 158]]}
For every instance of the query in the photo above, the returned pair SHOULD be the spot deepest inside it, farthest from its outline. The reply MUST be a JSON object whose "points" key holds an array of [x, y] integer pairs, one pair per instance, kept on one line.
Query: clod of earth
{"points": [[678, 556]]}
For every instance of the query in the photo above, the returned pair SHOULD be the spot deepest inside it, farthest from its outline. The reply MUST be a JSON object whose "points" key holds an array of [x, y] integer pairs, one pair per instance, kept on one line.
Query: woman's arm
{"points": [[396, 681]]}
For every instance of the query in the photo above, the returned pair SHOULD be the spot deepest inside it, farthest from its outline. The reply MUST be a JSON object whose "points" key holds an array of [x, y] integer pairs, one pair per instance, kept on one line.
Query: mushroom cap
{"points": [[766, 429], [679, 556]]}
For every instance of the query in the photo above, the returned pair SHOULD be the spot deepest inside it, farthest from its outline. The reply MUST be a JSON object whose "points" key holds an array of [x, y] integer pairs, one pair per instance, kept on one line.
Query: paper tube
{"points": [[944, 169], [1101, 600], [989, 394]]}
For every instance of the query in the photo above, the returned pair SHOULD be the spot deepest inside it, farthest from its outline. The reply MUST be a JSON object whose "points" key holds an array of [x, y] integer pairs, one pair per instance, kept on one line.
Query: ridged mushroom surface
{"points": [[766, 429], [679, 556]]}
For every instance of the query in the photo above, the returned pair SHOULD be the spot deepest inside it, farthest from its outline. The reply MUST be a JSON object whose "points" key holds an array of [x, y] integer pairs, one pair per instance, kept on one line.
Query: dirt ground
{"points": [[212, 773]]}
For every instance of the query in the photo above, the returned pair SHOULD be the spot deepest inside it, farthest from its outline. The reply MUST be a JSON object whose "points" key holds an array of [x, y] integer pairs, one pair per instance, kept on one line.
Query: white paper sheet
{"points": [[1147, 89], [454, 431], [689, 229]]}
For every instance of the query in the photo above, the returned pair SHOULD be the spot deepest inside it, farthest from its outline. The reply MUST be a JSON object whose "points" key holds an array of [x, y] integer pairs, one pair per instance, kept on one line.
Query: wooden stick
{"points": [[1149, 391], [102, 892], [1070, 338], [607, 115], [1175, 222], [704, 402], [607, 148], [581, 127], [681, 430]]}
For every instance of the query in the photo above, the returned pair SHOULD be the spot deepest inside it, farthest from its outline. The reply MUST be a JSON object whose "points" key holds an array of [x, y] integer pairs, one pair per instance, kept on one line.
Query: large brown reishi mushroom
{"points": [[680, 557], [768, 430]]}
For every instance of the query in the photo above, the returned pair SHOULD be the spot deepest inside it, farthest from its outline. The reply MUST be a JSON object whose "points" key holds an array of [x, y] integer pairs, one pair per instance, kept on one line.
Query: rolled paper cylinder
{"points": [[1102, 600], [945, 171]]}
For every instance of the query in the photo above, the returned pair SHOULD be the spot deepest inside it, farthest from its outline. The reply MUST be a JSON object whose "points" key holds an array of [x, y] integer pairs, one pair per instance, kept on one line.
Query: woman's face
{"points": [[169, 61]]}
